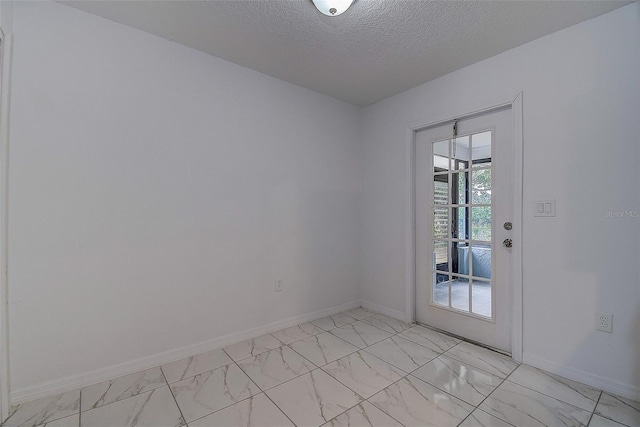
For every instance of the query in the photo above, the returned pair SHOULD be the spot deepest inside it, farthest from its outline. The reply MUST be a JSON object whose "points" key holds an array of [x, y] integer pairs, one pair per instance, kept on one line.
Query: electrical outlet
{"points": [[277, 286], [604, 322]]}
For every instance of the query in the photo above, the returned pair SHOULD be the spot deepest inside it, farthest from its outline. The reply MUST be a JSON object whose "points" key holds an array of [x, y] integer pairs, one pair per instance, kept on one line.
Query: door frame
{"points": [[6, 54], [515, 103]]}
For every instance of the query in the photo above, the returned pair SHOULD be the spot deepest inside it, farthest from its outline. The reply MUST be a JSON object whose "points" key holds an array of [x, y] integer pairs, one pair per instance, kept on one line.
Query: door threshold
{"points": [[479, 344]]}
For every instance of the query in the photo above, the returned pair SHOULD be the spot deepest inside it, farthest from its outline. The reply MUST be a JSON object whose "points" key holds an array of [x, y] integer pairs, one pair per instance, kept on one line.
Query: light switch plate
{"points": [[544, 208]]}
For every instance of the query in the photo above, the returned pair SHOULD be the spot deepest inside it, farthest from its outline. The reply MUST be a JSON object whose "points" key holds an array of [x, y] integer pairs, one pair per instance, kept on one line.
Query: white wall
{"points": [[156, 192], [581, 92]]}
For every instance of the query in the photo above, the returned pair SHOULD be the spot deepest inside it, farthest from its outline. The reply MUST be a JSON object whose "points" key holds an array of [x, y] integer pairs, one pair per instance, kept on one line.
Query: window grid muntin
{"points": [[472, 166]]}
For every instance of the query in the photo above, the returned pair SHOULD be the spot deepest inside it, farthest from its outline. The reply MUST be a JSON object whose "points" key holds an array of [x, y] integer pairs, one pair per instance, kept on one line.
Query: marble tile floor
{"points": [[357, 368]]}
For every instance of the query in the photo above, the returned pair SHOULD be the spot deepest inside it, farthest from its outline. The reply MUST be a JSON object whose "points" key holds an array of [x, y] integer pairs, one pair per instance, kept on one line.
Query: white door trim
{"points": [[6, 44], [516, 267]]}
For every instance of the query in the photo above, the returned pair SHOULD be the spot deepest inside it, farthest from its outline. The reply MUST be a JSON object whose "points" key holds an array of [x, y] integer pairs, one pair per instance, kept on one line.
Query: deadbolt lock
{"points": [[508, 226]]}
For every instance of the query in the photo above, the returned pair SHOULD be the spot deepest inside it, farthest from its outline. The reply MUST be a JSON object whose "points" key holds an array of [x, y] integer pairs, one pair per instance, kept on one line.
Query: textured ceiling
{"points": [[374, 50]]}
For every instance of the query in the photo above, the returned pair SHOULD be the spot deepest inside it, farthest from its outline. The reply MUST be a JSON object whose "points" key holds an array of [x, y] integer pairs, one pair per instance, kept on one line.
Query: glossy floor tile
{"points": [[479, 418], [521, 406], [462, 381], [256, 411], [335, 321], [429, 338], [363, 415], [72, 421], [211, 391], [360, 334], [275, 367], [44, 410], [387, 323], [356, 368], [359, 313], [619, 409], [563, 389], [313, 399], [414, 402], [153, 408], [192, 366], [297, 333], [252, 347], [487, 360], [124, 387], [363, 373], [322, 349], [402, 353], [598, 421]]}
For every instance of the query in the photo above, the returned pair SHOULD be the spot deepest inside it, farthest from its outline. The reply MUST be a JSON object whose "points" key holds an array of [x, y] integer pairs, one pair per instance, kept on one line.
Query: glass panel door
{"points": [[463, 196]]}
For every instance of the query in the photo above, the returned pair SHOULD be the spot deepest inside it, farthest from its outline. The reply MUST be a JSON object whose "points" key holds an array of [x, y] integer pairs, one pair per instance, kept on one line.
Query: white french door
{"points": [[464, 209]]}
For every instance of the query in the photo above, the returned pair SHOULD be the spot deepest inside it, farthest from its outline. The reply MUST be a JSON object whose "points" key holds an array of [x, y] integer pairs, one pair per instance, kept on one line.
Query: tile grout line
{"points": [[174, 397], [348, 409], [279, 340], [594, 408], [477, 407], [80, 410], [357, 349], [477, 367], [322, 370], [315, 367], [555, 398], [211, 370], [264, 392], [373, 404], [363, 398], [406, 375], [521, 385], [367, 399], [445, 391], [395, 382], [250, 339], [228, 406], [360, 336]]}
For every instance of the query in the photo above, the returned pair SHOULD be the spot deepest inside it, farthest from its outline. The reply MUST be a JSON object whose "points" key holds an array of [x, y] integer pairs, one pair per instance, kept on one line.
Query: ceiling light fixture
{"points": [[332, 7]]}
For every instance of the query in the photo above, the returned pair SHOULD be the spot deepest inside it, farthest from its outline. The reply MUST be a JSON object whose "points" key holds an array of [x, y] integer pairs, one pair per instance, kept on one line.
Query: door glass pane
{"points": [[460, 151], [481, 148], [481, 261], [460, 179], [441, 156], [440, 190], [481, 186], [442, 259], [481, 223], [460, 293], [481, 296], [440, 255], [440, 223], [441, 289], [460, 261], [459, 218]]}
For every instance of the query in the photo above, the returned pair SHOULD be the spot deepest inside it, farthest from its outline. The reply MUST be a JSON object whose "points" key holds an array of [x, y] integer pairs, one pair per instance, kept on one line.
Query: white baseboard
{"points": [[605, 384], [396, 314], [76, 381]]}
